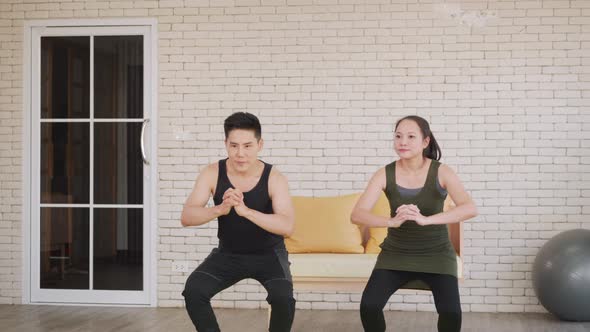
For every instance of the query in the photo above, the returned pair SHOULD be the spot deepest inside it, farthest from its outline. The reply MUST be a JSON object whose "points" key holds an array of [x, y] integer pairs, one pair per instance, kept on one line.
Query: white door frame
{"points": [[31, 66]]}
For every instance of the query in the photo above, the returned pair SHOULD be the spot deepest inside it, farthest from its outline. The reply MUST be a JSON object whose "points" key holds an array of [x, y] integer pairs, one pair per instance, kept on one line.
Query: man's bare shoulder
{"points": [[276, 174], [276, 177], [211, 168], [209, 172]]}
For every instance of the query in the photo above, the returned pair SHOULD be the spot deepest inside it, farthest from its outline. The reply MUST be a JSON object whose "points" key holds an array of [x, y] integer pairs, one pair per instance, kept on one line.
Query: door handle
{"points": [[142, 142]]}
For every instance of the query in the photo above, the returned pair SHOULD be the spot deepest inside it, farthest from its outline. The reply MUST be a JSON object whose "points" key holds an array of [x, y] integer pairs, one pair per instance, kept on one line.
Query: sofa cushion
{"points": [[332, 265], [322, 225], [378, 234], [340, 266], [376, 237]]}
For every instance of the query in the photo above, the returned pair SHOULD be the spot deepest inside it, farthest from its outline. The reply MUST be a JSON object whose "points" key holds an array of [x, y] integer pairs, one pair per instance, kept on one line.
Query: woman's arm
{"points": [[464, 206], [361, 213]]}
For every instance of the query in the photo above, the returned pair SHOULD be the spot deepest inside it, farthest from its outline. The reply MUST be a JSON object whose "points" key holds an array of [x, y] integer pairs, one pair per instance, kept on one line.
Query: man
{"points": [[255, 212]]}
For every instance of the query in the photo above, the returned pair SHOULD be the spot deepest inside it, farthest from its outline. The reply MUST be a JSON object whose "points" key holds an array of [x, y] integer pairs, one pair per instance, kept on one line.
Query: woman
{"points": [[417, 246]]}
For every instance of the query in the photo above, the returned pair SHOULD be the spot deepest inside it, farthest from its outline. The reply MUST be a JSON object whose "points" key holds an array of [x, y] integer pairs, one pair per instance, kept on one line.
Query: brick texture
{"points": [[505, 84]]}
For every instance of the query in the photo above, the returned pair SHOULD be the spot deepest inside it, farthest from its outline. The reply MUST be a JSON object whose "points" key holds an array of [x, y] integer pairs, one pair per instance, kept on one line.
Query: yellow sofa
{"points": [[329, 253]]}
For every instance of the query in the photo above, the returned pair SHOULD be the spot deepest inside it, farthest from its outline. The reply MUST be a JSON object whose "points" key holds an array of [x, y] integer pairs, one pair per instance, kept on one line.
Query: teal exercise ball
{"points": [[561, 275]]}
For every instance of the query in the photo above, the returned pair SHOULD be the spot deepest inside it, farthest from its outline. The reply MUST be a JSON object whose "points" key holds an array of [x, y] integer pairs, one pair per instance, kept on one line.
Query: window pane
{"points": [[118, 249], [64, 248], [118, 76], [118, 166], [65, 77], [65, 162]]}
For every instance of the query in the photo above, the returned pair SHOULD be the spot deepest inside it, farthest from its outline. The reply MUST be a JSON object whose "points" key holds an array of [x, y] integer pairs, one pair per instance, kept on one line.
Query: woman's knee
{"points": [[371, 305], [449, 322], [450, 305]]}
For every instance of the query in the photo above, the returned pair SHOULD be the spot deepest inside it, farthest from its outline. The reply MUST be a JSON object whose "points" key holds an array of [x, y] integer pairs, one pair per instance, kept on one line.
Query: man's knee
{"points": [[280, 292], [199, 287]]}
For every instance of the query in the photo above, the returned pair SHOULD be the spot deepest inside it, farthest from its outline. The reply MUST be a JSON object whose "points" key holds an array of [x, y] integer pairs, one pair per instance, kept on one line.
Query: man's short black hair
{"points": [[242, 120]]}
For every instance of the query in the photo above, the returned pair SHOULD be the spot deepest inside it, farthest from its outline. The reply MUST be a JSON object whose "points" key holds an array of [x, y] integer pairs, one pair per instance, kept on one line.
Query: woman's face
{"points": [[408, 140]]}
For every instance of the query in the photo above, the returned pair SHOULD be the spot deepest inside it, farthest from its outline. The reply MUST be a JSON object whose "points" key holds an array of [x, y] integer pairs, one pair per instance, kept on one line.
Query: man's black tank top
{"points": [[237, 234]]}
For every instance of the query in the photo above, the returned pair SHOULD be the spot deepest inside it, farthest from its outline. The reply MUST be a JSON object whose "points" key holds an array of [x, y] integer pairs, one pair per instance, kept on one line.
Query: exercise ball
{"points": [[561, 275]]}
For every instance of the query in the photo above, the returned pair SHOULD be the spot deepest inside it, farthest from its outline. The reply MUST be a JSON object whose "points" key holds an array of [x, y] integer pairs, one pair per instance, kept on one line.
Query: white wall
{"points": [[505, 85]]}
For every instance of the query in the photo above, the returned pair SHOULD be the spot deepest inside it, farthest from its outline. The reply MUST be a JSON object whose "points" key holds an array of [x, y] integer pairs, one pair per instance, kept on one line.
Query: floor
{"points": [[75, 318]]}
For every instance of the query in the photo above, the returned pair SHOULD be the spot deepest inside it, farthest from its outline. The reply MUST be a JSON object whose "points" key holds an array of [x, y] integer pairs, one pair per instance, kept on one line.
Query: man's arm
{"points": [[195, 211], [282, 221]]}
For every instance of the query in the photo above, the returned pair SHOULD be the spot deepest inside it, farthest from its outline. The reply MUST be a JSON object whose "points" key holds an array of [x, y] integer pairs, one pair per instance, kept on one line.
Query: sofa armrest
{"points": [[455, 230], [456, 236]]}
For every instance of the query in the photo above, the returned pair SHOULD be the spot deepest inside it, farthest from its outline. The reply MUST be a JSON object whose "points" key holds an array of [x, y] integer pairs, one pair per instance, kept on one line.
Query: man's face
{"points": [[242, 149]]}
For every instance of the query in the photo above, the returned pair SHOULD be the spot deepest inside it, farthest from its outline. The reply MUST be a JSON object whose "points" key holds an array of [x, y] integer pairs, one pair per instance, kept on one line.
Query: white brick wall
{"points": [[505, 85]]}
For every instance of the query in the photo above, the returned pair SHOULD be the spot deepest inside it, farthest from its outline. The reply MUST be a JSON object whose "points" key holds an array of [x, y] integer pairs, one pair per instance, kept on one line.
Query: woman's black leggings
{"points": [[383, 283]]}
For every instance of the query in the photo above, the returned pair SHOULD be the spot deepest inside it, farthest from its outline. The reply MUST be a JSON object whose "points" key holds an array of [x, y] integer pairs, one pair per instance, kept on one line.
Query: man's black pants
{"points": [[221, 270]]}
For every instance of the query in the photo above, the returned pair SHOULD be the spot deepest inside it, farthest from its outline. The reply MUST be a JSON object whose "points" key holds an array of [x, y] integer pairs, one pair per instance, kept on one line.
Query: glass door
{"points": [[90, 185]]}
